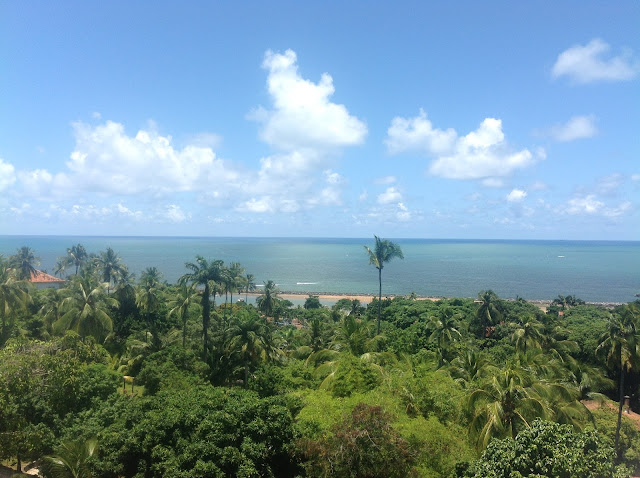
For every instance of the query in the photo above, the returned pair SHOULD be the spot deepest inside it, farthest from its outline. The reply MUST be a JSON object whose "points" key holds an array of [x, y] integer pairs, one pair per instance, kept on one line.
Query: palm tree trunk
{"points": [[184, 333], [206, 313], [246, 374], [620, 409], [379, 297]]}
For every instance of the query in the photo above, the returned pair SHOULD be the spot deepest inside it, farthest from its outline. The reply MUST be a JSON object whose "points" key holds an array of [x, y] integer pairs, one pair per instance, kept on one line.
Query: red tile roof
{"points": [[40, 277]]}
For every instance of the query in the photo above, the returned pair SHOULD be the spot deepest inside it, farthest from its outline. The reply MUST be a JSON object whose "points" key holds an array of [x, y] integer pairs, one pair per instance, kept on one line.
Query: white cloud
{"points": [[591, 63], [261, 205], [175, 213], [7, 175], [635, 177], [516, 195], [403, 213], [577, 127], [303, 116], [609, 185], [385, 180], [480, 154], [590, 205], [391, 195], [107, 160], [418, 135], [492, 182]]}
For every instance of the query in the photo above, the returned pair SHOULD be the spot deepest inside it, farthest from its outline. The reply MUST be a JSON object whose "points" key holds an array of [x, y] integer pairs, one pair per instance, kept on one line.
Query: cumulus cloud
{"points": [[591, 205], [303, 115], [516, 195], [418, 135], [391, 195], [480, 154], [175, 213], [591, 63], [7, 175], [106, 159], [578, 127]]}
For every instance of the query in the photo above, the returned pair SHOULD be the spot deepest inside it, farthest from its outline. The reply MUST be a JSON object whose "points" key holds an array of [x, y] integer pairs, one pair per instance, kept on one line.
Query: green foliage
{"points": [[586, 324], [547, 450], [606, 419], [352, 375], [201, 431], [173, 367], [364, 445], [312, 302]]}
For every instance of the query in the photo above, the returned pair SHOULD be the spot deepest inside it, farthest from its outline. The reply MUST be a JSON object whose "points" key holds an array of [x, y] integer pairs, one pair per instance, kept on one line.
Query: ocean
{"points": [[595, 271]]}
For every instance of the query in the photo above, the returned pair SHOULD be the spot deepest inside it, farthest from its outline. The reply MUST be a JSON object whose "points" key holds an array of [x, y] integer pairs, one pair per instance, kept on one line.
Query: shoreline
{"points": [[368, 298]]}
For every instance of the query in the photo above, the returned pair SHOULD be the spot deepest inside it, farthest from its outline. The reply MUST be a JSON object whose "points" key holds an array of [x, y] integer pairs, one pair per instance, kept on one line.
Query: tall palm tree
{"points": [[186, 297], [110, 266], [488, 312], [76, 256], [14, 297], [202, 273], [268, 301], [621, 344], [24, 262], [250, 340], [382, 252], [250, 285], [236, 276], [86, 309], [149, 299]]}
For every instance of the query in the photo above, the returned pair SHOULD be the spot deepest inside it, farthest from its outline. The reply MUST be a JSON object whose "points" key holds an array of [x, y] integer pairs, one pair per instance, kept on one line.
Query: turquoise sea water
{"points": [[599, 271]]}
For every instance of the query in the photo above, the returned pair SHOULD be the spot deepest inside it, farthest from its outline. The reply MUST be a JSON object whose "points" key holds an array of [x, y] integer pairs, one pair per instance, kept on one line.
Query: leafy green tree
{"points": [[444, 331], [366, 445], [621, 344], [312, 302], [382, 252], [548, 449], [203, 273], [195, 431], [24, 262], [86, 309], [528, 334]]}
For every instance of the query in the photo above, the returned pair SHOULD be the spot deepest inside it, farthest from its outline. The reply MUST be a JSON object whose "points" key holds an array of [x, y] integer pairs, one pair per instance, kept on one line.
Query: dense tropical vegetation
{"points": [[114, 375]]}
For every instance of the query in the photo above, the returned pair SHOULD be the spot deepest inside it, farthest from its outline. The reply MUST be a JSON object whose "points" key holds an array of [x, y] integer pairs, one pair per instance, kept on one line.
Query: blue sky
{"points": [[510, 120]]}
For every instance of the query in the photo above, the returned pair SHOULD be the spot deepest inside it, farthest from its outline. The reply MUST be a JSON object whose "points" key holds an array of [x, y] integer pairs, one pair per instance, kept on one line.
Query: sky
{"points": [[405, 119]]}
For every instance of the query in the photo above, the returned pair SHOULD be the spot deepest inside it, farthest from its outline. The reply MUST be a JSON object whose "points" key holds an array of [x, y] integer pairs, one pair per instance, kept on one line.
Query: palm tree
{"points": [[71, 460], [202, 273], [24, 262], [250, 285], [621, 343], [268, 301], [86, 308], [14, 297], [470, 367], [111, 268], [444, 332], [148, 298], [488, 312], [250, 340], [180, 305], [528, 334], [383, 252], [76, 256], [504, 404], [236, 278]]}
